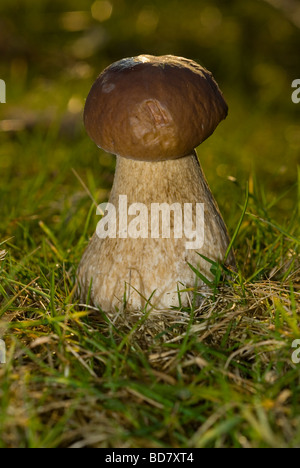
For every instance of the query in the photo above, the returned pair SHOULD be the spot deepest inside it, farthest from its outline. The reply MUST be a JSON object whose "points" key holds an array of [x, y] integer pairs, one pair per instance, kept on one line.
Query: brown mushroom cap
{"points": [[153, 108]]}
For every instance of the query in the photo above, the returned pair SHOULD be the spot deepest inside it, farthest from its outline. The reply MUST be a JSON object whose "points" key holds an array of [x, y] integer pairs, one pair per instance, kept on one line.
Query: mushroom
{"points": [[152, 112]]}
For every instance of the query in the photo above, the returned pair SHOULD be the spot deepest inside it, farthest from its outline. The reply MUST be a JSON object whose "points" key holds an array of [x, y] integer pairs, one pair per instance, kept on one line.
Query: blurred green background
{"points": [[52, 51]]}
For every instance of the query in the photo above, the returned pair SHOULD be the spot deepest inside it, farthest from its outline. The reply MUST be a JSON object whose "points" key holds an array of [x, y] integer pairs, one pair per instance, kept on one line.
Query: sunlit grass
{"points": [[217, 376]]}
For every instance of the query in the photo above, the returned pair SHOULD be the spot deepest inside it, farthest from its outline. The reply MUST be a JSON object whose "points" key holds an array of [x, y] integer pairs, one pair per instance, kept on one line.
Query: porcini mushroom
{"points": [[152, 112]]}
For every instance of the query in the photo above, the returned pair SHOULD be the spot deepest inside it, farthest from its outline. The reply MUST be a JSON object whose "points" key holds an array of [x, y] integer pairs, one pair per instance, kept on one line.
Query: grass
{"points": [[218, 376]]}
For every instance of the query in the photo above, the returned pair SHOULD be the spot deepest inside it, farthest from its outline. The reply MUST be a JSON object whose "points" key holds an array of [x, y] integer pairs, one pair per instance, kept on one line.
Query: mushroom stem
{"points": [[141, 266]]}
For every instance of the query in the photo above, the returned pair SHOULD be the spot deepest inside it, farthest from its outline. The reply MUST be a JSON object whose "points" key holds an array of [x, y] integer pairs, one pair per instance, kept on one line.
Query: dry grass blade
{"points": [[2, 255]]}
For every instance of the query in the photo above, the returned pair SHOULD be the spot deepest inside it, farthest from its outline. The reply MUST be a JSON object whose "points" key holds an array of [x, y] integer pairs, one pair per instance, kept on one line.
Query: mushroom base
{"points": [[132, 272]]}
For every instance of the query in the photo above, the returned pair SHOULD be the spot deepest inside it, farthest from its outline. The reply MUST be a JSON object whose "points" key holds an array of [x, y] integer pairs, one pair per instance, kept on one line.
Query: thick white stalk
{"points": [[143, 265]]}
